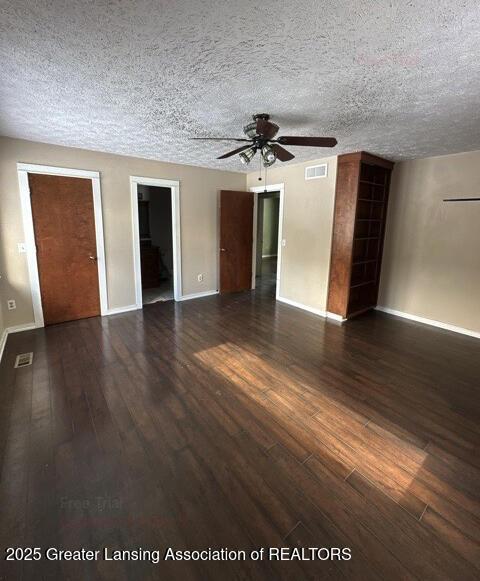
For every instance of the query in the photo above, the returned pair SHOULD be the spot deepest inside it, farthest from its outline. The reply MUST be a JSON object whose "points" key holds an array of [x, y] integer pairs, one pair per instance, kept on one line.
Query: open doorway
{"points": [[155, 214], [156, 247], [268, 219]]}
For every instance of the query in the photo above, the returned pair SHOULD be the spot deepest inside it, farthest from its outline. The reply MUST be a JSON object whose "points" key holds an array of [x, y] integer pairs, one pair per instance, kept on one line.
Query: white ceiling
{"points": [[397, 78]]}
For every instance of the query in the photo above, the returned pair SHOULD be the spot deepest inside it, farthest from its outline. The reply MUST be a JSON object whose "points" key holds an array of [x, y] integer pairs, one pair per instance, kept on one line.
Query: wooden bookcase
{"points": [[361, 198]]}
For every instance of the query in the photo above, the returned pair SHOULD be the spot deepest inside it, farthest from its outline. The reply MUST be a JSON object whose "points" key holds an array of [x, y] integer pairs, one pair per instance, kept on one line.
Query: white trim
{"points": [[317, 312], [430, 322], [23, 169], [198, 295], [9, 330], [3, 342], [260, 190], [31, 249], [269, 255], [118, 310], [20, 328], [335, 317], [57, 171], [174, 186], [99, 236]]}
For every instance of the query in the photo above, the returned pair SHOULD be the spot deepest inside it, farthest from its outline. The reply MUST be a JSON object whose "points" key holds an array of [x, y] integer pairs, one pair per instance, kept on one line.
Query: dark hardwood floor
{"points": [[235, 421]]}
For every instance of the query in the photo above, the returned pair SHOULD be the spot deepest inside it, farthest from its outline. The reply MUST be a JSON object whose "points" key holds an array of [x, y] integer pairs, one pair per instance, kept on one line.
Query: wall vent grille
{"points": [[314, 172], [23, 360]]}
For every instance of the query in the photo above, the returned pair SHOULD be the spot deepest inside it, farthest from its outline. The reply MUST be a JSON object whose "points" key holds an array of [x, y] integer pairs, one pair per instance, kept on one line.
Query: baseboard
{"points": [[198, 295], [16, 329], [20, 328], [335, 317], [430, 322], [119, 310], [317, 312]]}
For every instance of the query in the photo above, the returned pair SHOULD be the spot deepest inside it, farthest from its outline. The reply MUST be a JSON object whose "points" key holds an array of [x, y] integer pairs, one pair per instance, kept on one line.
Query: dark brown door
{"points": [[64, 224], [236, 231]]}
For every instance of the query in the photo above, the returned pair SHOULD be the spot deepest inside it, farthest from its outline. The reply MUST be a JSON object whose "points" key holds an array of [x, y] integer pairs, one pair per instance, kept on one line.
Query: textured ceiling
{"points": [[397, 78]]}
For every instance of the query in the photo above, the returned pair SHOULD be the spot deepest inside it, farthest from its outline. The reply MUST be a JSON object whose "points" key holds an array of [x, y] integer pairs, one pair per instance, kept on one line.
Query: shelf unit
{"points": [[363, 182]]}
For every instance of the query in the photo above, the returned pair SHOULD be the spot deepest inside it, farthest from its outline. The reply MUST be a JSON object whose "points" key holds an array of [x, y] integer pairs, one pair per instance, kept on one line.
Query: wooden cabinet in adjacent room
{"points": [[361, 198]]}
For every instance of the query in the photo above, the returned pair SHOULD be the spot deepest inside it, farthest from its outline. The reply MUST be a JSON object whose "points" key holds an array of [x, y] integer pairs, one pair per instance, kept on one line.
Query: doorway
{"points": [[155, 214], [268, 238], [63, 226], [268, 217], [241, 247]]}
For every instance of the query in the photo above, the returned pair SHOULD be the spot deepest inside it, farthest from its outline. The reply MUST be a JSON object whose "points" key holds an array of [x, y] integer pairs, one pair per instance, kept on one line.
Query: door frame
{"points": [[260, 190], [23, 169], [174, 187]]}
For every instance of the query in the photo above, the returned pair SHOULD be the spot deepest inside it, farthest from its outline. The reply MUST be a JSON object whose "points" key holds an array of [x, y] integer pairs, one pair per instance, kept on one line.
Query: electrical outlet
{"points": [[22, 247], [200, 277], [11, 304]]}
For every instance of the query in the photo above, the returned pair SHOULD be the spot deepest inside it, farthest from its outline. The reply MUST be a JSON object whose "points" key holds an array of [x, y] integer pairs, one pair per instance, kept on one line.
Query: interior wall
{"points": [[198, 214], [431, 263], [307, 231], [270, 226]]}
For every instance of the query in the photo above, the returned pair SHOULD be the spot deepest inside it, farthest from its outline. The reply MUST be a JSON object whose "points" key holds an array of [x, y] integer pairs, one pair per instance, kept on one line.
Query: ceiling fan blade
{"points": [[220, 139], [266, 129], [230, 153], [281, 153], [308, 141]]}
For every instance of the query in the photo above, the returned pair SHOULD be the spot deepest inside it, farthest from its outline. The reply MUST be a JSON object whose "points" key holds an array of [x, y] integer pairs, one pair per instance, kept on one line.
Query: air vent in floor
{"points": [[24, 359]]}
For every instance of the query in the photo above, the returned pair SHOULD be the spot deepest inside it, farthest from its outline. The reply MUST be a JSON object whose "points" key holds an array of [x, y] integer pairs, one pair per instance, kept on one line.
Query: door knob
{"points": [[223, 249], [94, 258]]}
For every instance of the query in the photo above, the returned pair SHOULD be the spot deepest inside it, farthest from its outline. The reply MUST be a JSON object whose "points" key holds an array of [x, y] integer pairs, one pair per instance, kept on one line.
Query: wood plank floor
{"points": [[240, 422]]}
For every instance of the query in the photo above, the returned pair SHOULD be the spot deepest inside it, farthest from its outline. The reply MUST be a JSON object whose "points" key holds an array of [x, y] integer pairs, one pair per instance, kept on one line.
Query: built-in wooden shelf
{"points": [[367, 183], [358, 232], [363, 283], [358, 262]]}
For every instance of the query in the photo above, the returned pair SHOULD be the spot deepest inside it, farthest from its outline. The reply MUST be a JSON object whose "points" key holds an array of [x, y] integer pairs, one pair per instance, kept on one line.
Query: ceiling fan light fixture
{"points": [[247, 155], [259, 135], [250, 130], [268, 155]]}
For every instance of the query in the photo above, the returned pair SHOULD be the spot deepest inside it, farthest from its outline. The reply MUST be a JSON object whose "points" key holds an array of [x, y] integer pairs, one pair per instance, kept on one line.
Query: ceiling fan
{"points": [[261, 132]]}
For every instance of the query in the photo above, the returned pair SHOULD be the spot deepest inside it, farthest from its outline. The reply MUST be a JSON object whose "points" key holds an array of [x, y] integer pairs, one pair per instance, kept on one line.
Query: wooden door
{"points": [[236, 241], [258, 258], [64, 225]]}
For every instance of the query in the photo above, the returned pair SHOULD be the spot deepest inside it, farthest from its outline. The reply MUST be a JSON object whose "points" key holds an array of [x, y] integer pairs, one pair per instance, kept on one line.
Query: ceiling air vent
{"points": [[314, 172], [23, 360]]}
